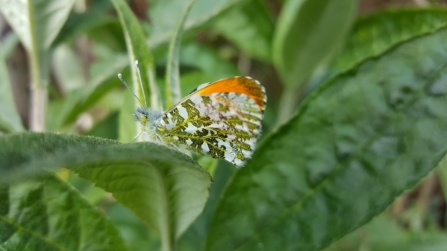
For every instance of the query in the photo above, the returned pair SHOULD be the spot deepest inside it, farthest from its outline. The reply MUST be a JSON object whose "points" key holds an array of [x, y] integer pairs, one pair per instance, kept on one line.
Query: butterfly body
{"points": [[221, 119]]}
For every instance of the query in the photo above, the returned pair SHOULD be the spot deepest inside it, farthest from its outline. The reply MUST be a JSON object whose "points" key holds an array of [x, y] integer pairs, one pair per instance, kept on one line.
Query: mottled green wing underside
{"points": [[223, 125]]}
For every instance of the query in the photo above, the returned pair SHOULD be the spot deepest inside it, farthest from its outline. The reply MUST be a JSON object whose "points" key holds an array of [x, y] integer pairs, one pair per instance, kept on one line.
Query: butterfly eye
{"points": [[143, 119], [142, 115]]}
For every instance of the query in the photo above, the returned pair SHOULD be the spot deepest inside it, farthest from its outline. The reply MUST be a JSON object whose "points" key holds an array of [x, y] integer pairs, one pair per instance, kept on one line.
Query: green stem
{"points": [[173, 90], [39, 79], [38, 106], [39, 92]]}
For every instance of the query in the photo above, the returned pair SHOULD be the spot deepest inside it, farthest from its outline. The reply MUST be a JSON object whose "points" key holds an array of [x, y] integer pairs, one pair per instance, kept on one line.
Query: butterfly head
{"points": [[146, 116]]}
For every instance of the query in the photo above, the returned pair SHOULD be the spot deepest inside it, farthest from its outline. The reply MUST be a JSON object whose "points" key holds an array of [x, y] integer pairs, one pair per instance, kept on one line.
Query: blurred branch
{"points": [[400, 204], [421, 3], [426, 190]]}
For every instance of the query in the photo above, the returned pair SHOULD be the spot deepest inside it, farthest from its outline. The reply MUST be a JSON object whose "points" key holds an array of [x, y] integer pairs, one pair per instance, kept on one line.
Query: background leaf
{"points": [[208, 61], [173, 90], [195, 236], [94, 17], [69, 78], [250, 27], [138, 51], [47, 214], [133, 230], [9, 117], [300, 41], [384, 234], [377, 32], [163, 24], [354, 145], [103, 79], [151, 180], [126, 125], [20, 153], [169, 204], [37, 22]]}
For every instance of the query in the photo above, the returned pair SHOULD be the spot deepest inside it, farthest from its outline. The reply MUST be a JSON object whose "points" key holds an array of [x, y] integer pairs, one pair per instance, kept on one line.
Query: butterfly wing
{"points": [[221, 119]]}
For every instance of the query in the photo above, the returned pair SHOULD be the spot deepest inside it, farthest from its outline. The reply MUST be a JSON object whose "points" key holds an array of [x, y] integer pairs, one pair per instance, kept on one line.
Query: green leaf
{"points": [[194, 238], [308, 34], [173, 90], [353, 146], [9, 44], [382, 229], [47, 214], [79, 100], [208, 163], [9, 117], [163, 23], [138, 51], [95, 17], [107, 128], [164, 188], [20, 153], [375, 33], [135, 233], [126, 121], [36, 22], [207, 60], [250, 28], [68, 78], [107, 37], [384, 234], [191, 80]]}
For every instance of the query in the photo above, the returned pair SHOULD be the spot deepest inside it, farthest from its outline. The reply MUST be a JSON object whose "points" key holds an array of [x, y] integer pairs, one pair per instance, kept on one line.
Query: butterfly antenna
{"points": [[138, 135], [128, 88], [141, 82]]}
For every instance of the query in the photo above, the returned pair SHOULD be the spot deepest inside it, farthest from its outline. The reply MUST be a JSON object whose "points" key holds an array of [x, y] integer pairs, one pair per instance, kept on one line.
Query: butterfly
{"points": [[221, 119]]}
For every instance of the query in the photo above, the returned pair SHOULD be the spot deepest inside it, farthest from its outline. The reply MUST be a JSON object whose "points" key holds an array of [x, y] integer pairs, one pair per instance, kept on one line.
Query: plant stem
{"points": [[39, 78], [39, 93], [37, 110]]}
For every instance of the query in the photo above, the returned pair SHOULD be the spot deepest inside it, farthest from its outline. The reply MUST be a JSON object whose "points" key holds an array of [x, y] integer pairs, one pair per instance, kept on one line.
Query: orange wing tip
{"points": [[243, 85]]}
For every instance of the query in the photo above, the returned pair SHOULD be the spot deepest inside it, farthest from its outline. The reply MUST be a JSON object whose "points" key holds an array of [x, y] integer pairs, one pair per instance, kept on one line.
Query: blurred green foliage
{"points": [[354, 120]]}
